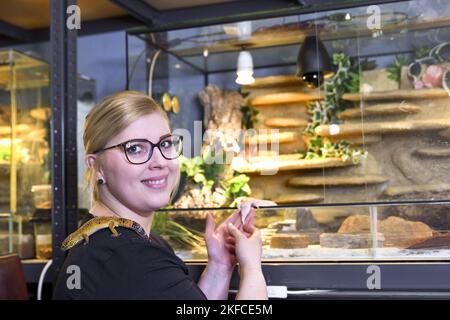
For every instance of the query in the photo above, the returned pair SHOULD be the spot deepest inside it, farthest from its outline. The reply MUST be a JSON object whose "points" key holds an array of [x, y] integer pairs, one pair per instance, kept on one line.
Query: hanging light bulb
{"points": [[245, 68]]}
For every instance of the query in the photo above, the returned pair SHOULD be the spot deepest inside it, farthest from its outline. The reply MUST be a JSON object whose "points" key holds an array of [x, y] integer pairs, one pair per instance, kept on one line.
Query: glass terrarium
{"points": [[342, 117], [24, 148]]}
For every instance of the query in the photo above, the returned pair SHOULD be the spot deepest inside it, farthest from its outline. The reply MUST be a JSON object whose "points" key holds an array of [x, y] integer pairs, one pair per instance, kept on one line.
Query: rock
{"points": [[348, 241], [437, 216], [397, 232], [437, 242], [306, 224], [289, 241], [401, 233], [355, 224], [305, 220], [409, 166]]}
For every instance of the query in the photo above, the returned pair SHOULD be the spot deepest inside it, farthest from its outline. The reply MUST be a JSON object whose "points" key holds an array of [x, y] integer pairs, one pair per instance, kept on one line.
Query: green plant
{"points": [[320, 147], [205, 170], [163, 225], [5, 153], [325, 112], [202, 170], [400, 61], [236, 187], [344, 80], [395, 69]]}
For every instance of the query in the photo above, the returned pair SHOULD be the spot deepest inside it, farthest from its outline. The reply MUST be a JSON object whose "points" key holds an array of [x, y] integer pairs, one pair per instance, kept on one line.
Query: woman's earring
{"points": [[100, 181]]}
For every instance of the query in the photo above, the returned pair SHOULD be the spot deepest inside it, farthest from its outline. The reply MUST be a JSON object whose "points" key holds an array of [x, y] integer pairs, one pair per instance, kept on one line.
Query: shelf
{"points": [[241, 165], [286, 122], [385, 109], [280, 137], [404, 190], [360, 140], [298, 198], [336, 181], [352, 129], [274, 81], [403, 94], [434, 152], [282, 98]]}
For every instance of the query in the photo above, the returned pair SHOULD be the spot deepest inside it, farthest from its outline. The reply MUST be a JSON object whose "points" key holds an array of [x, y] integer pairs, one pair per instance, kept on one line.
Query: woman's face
{"points": [[145, 187]]}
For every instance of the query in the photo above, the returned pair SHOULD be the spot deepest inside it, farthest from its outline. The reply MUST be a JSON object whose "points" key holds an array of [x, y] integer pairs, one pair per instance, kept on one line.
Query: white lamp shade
{"points": [[245, 68]]}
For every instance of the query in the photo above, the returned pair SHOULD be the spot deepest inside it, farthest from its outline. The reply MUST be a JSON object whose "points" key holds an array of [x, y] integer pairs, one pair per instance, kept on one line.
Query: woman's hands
{"points": [[219, 242], [248, 246], [236, 239]]}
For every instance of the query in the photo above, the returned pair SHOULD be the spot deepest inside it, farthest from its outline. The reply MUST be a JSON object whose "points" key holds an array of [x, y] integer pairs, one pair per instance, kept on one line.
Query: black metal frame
{"points": [[229, 12], [63, 128]]}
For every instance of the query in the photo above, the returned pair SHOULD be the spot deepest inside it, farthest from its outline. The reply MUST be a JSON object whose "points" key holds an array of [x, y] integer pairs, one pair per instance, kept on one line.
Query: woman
{"points": [[133, 169]]}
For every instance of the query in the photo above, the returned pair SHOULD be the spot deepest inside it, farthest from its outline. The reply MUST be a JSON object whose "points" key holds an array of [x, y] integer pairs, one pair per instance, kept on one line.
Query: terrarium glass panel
{"points": [[369, 125], [24, 148]]}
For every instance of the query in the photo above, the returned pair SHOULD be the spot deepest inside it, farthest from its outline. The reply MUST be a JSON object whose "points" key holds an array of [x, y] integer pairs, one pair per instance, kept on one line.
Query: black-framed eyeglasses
{"points": [[139, 151]]}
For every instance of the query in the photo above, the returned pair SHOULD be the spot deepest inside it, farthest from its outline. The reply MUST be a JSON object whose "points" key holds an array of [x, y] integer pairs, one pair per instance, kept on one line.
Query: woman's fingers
{"points": [[249, 228], [235, 232], [246, 204], [209, 229]]}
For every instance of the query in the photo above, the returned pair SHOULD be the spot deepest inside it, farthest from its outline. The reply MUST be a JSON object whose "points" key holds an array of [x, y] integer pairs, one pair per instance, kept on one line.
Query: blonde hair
{"points": [[109, 117]]}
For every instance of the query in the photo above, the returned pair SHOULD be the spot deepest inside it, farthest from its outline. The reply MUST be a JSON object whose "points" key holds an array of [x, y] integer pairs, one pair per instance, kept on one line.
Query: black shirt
{"points": [[130, 266]]}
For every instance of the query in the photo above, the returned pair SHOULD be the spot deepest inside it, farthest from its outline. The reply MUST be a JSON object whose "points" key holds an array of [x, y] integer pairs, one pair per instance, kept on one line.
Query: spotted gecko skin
{"points": [[96, 224]]}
